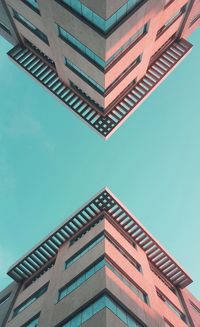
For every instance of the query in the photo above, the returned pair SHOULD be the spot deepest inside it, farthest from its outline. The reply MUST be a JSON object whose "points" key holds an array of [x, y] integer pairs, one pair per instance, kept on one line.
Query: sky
{"points": [[51, 163]]}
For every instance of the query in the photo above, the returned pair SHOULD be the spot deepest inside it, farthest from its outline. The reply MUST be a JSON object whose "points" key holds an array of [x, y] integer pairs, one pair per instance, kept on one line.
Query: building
{"points": [[101, 59], [101, 267]]}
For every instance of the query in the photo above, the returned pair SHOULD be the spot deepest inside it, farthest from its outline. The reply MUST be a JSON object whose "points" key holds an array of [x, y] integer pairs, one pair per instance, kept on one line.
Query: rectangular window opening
{"points": [[4, 299], [90, 17], [33, 4], [5, 28], [30, 300], [171, 21], [171, 305], [197, 309], [33, 322], [104, 301], [96, 266], [30, 26]]}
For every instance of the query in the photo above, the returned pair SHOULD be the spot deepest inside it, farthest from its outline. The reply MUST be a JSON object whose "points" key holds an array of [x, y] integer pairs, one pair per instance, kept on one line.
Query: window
{"points": [[124, 74], [89, 54], [4, 27], [133, 39], [195, 307], [97, 240], [102, 302], [37, 276], [171, 305], [96, 20], [167, 323], [123, 252], [33, 322], [141, 294], [168, 3], [70, 287], [195, 20], [162, 278], [4, 299], [81, 47], [94, 84], [171, 21], [30, 300], [30, 26], [33, 4], [86, 229], [84, 76], [84, 250]]}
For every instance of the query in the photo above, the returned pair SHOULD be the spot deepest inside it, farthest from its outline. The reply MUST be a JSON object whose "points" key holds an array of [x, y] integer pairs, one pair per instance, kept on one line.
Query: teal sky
{"points": [[51, 163]]}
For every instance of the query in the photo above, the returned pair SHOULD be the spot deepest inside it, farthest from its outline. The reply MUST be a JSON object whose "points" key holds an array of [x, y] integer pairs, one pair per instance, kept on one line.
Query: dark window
{"points": [[33, 322], [168, 3], [97, 21], [105, 301], [167, 323], [33, 4], [89, 54], [94, 84], [124, 252], [30, 26], [171, 305], [84, 76], [195, 307], [84, 250], [4, 27], [94, 242], [86, 229], [4, 299], [30, 300], [195, 20], [104, 262], [171, 21]]}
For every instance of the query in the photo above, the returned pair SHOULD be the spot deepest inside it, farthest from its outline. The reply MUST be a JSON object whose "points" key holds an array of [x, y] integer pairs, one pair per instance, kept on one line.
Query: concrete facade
{"points": [[53, 13], [130, 277], [99, 65]]}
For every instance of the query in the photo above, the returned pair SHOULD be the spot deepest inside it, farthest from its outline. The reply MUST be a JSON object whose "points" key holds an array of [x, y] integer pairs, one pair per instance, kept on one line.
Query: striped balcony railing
{"points": [[106, 123], [103, 204]]}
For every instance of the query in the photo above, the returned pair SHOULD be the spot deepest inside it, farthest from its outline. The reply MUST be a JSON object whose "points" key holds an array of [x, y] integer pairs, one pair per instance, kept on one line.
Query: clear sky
{"points": [[51, 163]]}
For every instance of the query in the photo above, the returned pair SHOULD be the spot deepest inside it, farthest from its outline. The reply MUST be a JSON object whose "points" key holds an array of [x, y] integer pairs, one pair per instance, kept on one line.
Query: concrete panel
{"points": [[104, 8]]}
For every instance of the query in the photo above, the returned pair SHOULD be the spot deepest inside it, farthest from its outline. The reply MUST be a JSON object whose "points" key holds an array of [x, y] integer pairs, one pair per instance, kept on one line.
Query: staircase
{"points": [[45, 73]]}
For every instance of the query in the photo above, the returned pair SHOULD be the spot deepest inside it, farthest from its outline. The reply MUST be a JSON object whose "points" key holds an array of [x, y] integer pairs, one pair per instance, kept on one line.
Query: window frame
{"points": [[94, 27], [171, 21], [26, 2], [31, 299], [22, 20], [27, 323], [4, 298], [5, 28]]}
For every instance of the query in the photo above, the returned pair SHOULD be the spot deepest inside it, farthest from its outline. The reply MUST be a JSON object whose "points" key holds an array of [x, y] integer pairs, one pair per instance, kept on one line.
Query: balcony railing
{"points": [[106, 123]]}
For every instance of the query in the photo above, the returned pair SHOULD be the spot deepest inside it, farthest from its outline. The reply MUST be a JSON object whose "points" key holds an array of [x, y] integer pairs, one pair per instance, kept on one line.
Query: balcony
{"points": [[43, 70]]}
